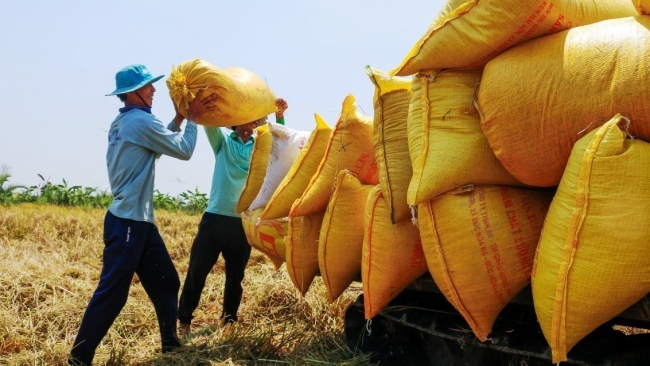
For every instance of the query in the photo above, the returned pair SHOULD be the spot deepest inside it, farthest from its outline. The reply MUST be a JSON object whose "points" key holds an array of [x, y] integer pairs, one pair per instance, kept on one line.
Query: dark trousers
{"points": [[218, 234], [129, 247]]}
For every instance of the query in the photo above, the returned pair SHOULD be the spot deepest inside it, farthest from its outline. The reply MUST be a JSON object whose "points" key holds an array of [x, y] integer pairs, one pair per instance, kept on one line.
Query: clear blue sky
{"points": [[59, 58]]}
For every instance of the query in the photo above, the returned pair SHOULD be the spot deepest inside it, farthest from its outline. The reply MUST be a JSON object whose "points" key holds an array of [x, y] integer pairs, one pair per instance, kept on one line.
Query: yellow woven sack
{"points": [[341, 237], [447, 146], [537, 99], [471, 33], [593, 259], [350, 147], [480, 244], [267, 236], [295, 182], [243, 97], [256, 169], [391, 101], [302, 250], [392, 256]]}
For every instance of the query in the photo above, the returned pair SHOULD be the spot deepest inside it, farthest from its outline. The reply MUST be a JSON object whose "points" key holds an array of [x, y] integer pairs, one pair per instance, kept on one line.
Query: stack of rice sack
{"points": [[592, 262], [303, 193], [282, 162], [480, 145], [479, 228], [391, 255], [326, 221]]}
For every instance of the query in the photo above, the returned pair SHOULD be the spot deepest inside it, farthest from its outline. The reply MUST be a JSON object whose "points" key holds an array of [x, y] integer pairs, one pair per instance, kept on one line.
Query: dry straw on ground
{"points": [[51, 259]]}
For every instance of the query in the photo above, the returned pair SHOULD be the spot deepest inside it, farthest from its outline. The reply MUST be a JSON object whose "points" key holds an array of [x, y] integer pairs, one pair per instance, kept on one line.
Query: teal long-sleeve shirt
{"points": [[135, 140], [232, 156]]}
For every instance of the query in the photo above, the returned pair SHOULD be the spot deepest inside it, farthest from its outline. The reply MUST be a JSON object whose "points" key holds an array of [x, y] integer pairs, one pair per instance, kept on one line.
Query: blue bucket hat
{"points": [[131, 78]]}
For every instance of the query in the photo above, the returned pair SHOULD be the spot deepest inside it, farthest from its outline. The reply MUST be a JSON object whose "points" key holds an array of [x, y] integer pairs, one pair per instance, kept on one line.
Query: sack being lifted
{"points": [[243, 97]]}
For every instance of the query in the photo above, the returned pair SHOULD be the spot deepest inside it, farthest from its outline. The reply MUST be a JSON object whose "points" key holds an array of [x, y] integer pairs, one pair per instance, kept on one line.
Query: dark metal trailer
{"points": [[420, 327]]}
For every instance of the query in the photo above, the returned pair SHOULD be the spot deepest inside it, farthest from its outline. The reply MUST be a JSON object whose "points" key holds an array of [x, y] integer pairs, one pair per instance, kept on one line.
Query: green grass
{"points": [[64, 194]]}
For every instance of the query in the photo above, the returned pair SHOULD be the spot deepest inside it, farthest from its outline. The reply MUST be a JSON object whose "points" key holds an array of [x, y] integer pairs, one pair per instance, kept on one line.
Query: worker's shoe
{"points": [[184, 330]]}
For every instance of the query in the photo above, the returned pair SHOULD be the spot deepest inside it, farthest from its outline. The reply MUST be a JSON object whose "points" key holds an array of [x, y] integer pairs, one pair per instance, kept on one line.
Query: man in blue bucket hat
{"points": [[132, 243]]}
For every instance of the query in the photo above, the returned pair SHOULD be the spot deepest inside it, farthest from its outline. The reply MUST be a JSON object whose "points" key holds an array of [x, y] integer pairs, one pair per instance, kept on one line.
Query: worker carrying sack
{"points": [[243, 97]]}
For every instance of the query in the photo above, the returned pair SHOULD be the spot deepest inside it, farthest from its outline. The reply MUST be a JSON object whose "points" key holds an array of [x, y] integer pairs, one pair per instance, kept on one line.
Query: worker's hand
{"points": [[201, 106], [282, 106], [178, 118]]}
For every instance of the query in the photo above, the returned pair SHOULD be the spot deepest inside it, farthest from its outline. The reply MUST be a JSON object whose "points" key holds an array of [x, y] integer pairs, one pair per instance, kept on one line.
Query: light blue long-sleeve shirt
{"points": [[135, 139]]}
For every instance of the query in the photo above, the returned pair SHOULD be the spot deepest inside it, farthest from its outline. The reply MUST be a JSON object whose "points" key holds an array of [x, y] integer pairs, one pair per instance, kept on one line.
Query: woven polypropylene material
{"points": [[256, 169], [242, 96], [479, 246], [537, 99], [390, 139], [267, 236], [471, 33], [392, 256], [447, 146], [593, 259], [350, 147], [341, 237], [302, 249], [302, 170]]}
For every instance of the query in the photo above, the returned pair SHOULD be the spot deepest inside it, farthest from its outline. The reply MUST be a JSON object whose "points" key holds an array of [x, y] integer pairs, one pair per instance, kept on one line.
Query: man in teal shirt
{"points": [[132, 243], [221, 230]]}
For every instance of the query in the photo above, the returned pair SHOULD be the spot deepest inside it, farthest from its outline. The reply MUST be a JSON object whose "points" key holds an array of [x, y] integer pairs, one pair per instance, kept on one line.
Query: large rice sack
{"points": [[256, 168], [285, 147], [392, 256], [243, 97], [302, 250], [537, 99], [447, 146], [302, 170], [267, 236], [593, 259], [471, 33], [350, 147], [480, 244], [391, 101], [341, 236]]}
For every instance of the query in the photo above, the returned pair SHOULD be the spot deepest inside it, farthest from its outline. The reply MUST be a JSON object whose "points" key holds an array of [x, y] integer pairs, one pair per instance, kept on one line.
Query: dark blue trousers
{"points": [[129, 247], [218, 234]]}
